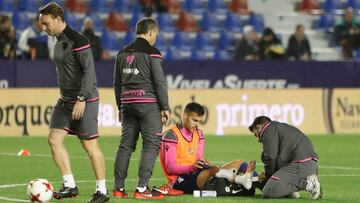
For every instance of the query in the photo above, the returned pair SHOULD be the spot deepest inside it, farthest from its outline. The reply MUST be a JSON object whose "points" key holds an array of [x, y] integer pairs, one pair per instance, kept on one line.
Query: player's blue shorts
{"points": [[187, 182]]}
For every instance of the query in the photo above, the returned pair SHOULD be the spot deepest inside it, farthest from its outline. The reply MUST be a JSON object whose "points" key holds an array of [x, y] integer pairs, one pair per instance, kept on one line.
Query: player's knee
{"points": [[266, 193], [53, 142], [271, 193]]}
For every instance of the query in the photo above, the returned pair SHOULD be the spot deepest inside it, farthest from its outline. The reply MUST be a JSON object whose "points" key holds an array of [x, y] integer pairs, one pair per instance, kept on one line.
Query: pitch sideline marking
{"points": [[133, 180], [24, 184], [13, 200]]}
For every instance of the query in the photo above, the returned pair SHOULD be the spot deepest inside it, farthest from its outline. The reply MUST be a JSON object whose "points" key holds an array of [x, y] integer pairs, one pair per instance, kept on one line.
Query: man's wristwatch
{"points": [[81, 98]]}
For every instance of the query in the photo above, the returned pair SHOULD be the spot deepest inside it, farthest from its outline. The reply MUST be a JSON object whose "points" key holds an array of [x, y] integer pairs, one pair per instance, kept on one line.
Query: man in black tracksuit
{"points": [[142, 99], [289, 159], [77, 108]]}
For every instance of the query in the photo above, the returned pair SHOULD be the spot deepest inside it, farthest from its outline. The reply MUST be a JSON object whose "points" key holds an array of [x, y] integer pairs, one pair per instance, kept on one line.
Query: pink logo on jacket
{"points": [[130, 59]]}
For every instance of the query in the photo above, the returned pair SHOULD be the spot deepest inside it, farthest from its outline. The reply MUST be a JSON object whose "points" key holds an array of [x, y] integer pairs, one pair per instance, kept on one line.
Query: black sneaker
{"points": [[98, 197], [66, 192]]}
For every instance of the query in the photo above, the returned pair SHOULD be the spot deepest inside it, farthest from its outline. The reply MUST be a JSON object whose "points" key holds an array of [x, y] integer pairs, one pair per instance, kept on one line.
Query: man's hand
{"points": [[78, 110], [165, 114], [199, 164], [262, 177]]}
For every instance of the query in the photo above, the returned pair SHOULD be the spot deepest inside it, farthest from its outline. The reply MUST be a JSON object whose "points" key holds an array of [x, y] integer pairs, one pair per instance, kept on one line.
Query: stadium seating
{"points": [[99, 6], [210, 23], [333, 6], [110, 41], [310, 6], [77, 6], [217, 7], [198, 55], [98, 22], [161, 42], [194, 6], [166, 22], [60, 2], [30, 6], [72, 20], [173, 6], [129, 37], [239, 6], [355, 4], [136, 16], [181, 41], [116, 22], [226, 41], [7, 6], [233, 23], [326, 22], [221, 55], [173, 55], [204, 42], [187, 22], [20, 20], [123, 6], [257, 21]]}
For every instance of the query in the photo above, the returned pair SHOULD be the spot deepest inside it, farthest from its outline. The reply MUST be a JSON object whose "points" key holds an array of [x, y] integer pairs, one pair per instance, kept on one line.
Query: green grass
{"points": [[339, 166]]}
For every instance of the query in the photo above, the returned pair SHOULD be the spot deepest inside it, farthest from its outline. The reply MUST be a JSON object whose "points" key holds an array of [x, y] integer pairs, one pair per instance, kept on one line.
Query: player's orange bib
{"points": [[186, 152]]}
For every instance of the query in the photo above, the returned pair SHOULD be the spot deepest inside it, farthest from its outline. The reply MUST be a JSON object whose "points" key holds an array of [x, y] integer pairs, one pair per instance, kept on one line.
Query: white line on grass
{"points": [[215, 162], [78, 181], [13, 200], [132, 180]]}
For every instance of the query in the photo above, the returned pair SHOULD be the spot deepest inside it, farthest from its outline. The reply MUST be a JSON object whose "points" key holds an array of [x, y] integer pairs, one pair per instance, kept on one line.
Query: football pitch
{"points": [[339, 167]]}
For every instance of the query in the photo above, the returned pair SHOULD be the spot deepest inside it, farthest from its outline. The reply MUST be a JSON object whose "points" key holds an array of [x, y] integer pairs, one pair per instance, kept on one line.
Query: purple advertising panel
{"points": [[204, 74], [7, 73]]}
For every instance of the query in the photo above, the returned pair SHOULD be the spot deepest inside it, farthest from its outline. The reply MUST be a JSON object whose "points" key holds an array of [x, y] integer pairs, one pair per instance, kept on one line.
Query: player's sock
{"points": [[245, 180], [101, 186], [69, 181], [229, 174], [141, 189]]}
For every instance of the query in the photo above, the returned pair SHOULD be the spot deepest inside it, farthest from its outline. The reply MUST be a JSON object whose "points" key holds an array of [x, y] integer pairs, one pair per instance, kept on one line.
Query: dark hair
{"points": [[52, 9], [4, 18], [298, 26], [258, 121], [194, 107], [144, 25], [268, 31]]}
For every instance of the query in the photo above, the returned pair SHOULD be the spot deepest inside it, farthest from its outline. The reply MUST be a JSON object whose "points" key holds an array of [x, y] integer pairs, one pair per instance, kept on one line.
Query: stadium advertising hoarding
{"points": [[344, 110], [229, 112], [232, 111], [204, 74]]}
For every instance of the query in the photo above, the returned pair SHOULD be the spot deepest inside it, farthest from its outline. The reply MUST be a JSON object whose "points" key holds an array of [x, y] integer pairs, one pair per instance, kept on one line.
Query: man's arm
{"points": [[86, 61], [169, 149], [22, 44], [200, 150], [159, 80], [117, 81], [270, 151]]}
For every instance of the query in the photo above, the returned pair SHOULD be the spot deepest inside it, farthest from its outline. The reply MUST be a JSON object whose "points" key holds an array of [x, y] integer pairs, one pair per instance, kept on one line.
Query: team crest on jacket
{"points": [[191, 151], [130, 59]]}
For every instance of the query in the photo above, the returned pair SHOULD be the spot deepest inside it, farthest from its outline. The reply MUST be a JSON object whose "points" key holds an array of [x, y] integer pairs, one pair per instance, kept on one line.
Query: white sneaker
{"points": [[313, 187], [246, 179], [294, 195]]}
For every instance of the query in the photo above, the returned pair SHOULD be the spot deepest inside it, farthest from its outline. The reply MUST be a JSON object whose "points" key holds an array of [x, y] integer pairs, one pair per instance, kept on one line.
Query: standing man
{"points": [[77, 109], [142, 99], [289, 159]]}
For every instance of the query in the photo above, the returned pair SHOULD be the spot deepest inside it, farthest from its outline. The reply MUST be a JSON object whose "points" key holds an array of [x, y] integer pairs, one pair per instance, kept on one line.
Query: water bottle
{"points": [[204, 193]]}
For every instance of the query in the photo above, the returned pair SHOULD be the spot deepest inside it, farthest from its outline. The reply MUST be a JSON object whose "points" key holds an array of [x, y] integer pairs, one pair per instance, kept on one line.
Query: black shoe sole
{"points": [[59, 197]]}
